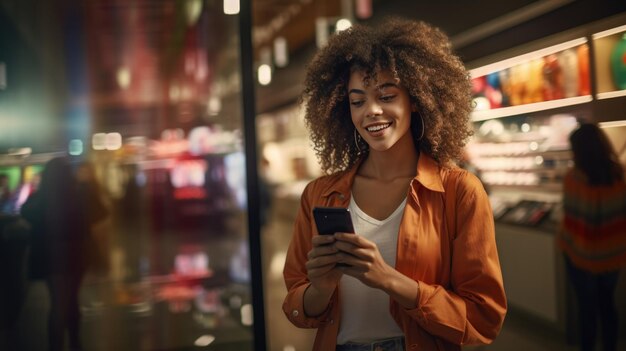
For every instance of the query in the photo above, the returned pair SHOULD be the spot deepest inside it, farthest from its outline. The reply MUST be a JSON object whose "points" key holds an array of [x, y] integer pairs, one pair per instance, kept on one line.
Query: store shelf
{"points": [[611, 94], [484, 115], [551, 187]]}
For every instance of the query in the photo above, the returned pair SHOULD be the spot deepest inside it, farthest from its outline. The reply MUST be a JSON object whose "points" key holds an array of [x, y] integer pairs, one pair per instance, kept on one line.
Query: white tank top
{"points": [[365, 313]]}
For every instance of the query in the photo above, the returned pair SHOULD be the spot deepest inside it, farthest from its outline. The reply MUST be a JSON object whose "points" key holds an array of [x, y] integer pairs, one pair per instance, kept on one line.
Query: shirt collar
{"points": [[427, 174]]}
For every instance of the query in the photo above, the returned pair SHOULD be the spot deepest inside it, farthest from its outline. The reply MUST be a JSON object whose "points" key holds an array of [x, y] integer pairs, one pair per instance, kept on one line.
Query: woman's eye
{"points": [[356, 103], [387, 98]]}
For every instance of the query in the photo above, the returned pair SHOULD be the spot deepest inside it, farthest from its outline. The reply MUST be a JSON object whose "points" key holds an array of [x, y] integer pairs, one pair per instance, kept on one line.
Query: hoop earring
{"points": [[356, 141], [422, 133]]}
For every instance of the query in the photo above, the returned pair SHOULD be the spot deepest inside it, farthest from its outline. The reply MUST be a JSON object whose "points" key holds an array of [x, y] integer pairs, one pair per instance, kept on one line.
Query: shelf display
{"points": [[550, 74], [522, 151]]}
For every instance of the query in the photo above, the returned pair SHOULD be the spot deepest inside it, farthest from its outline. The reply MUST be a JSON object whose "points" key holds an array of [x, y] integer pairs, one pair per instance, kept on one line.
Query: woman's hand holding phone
{"points": [[362, 260]]}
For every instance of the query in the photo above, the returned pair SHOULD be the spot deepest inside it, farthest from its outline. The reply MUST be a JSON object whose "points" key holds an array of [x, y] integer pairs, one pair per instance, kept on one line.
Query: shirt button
{"points": [[295, 313]]}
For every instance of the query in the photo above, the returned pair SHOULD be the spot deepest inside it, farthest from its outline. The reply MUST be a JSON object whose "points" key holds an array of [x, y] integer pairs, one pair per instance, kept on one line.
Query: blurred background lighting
{"points": [[75, 147], [123, 77], [20, 151], [281, 56], [343, 24], [174, 93], [204, 340], [231, 7], [265, 74], [214, 106], [98, 141], [364, 9], [113, 141], [246, 314], [193, 10], [321, 31]]}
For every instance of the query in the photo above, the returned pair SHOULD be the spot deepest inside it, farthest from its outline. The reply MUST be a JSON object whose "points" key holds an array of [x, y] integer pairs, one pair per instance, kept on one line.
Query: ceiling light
{"points": [[265, 74], [321, 31], [342, 24], [123, 77], [281, 55], [231, 7]]}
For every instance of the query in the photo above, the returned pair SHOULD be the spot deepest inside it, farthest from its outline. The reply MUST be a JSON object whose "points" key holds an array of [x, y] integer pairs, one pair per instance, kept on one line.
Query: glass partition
{"points": [[125, 220]]}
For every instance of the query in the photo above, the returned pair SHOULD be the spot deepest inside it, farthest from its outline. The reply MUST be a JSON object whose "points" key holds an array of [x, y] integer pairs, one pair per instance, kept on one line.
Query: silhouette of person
{"points": [[5, 194], [593, 233], [60, 220]]}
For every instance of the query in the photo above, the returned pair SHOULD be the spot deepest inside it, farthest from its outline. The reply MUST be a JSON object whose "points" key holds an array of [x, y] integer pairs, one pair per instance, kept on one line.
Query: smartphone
{"points": [[330, 220]]}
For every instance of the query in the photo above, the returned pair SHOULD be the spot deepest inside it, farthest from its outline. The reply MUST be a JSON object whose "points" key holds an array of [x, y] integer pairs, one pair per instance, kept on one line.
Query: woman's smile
{"points": [[377, 129]]}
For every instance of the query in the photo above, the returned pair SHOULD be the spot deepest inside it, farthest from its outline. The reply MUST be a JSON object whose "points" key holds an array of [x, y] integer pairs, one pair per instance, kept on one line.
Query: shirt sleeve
{"points": [[472, 310], [295, 273]]}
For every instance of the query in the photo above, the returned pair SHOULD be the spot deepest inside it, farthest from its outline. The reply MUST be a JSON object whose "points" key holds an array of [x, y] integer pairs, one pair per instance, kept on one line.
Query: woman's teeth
{"points": [[378, 127]]}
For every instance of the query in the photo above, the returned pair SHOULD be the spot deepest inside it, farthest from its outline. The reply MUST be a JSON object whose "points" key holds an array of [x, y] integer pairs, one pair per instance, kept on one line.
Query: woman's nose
{"points": [[373, 109]]}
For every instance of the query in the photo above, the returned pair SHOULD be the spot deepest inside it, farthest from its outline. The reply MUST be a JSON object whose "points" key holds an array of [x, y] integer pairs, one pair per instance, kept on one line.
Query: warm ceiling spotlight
{"points": [[265, 74], [231, 7], [123, 77], [281, 55], [342, 24]]}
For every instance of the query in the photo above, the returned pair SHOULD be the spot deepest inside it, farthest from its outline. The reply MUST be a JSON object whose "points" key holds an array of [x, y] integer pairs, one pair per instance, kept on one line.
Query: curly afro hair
{"points": [[420, 57]]}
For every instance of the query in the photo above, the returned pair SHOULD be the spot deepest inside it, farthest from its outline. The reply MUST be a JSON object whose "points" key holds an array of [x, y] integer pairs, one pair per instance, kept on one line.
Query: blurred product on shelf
{"points": [[584, 80], [536, 81], [618, 63], [569, 62], [552, 79]]}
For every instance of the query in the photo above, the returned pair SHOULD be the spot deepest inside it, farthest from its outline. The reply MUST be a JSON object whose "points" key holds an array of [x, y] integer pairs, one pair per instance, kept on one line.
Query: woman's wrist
{"points": [[402, 289], [316, 300]]}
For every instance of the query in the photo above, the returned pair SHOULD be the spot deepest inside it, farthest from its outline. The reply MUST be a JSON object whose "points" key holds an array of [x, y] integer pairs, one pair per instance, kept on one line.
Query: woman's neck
{"points": [[400, 161]]}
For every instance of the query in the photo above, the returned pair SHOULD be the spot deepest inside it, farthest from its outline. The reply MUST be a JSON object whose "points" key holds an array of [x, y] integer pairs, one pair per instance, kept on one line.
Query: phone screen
{"points": [[330, 220]]}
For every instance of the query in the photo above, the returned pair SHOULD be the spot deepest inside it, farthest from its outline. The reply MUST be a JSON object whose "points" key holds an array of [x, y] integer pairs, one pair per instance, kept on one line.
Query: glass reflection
{"points": [[123, 207]]}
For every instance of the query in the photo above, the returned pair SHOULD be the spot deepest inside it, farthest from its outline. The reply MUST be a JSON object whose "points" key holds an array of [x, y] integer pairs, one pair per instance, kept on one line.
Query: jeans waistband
{"points": [[393, 344]]}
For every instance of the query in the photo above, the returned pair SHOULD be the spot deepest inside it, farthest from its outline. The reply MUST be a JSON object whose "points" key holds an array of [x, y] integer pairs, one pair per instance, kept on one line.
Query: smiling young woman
{"points": [[387, 110]]}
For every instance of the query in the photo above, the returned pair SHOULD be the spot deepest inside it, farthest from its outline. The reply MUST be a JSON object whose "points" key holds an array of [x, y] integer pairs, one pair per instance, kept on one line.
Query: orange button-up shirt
{"points": [[461, 296]]}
